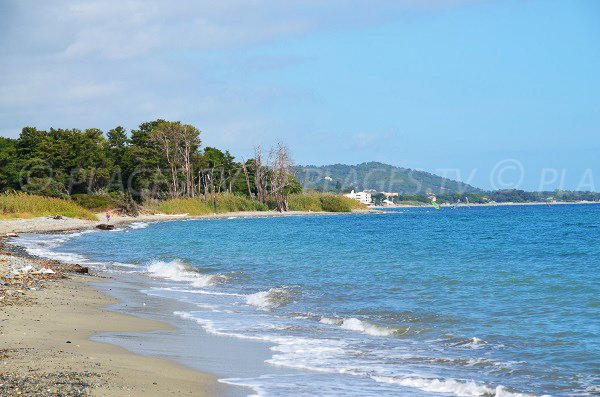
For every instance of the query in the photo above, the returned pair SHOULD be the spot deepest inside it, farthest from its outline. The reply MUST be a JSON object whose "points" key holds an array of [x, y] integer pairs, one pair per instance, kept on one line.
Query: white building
{"points": [[364, 196]]}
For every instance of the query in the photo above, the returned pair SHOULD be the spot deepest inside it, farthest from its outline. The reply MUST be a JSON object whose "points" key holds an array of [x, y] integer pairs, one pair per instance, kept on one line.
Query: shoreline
{"points": [[52, 332], [35, 336], [48, 330], [508, 203], [51, 225]]}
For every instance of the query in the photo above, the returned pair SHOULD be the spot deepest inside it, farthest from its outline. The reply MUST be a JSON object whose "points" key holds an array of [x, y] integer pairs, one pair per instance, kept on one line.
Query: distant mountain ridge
{"points": [[377, 176]]}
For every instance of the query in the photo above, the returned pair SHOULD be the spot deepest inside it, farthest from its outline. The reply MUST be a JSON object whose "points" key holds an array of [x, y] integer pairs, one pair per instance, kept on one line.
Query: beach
{"points": [[61, 224], [238, 304], [45, 346], [46, 329]]}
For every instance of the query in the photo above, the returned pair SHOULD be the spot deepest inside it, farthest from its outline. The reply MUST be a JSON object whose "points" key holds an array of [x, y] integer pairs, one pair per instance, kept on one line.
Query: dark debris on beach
{"points": [[20, 275], [63, 384]]}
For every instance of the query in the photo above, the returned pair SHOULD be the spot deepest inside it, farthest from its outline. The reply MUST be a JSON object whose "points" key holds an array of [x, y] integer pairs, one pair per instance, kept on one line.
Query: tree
{"points": [[260, 176], [9, 165], [144, 162], [177, 144], [282, 177]]}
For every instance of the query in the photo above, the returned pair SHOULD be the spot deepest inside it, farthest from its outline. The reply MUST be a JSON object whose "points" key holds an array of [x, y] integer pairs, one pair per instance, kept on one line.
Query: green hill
{"points": [[377, 176]]}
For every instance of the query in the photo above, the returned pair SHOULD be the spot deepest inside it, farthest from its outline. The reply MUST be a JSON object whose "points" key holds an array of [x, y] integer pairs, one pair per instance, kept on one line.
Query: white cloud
{"points": [[101, 63]]}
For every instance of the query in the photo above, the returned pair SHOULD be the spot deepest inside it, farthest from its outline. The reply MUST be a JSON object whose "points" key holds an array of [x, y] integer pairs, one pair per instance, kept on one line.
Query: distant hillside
{"points": [[377, 176]]}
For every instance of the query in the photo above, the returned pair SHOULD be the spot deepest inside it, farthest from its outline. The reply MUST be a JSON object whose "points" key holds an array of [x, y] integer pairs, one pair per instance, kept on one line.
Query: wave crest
{"points": [[274, 297], [178, 270], [459, 388], [354, 324], [473, 343], [138, 225]]}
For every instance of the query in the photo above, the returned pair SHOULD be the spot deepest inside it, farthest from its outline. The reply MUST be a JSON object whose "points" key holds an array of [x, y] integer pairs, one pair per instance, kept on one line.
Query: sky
{"points": [[499, 94]]}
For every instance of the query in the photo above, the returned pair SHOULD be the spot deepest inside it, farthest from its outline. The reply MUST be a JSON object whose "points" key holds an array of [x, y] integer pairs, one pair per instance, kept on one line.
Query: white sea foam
{"points": [[354, 324], [45, 246], [138, 225], [199, 292], [177, 270], [270, 299], [326, 355], [473, 343], [461, 388]]}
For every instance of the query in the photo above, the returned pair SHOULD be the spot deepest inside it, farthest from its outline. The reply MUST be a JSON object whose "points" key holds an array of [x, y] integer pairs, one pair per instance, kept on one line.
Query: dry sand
{"points": [[47, 224], [35, 339]]}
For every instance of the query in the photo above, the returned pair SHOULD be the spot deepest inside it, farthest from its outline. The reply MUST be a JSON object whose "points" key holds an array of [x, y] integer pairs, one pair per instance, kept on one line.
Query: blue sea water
{"points": [[481, 301]]}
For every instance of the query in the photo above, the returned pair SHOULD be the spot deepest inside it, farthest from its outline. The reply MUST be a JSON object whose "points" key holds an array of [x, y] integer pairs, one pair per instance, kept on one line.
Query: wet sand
{"points": [[45, 346]]}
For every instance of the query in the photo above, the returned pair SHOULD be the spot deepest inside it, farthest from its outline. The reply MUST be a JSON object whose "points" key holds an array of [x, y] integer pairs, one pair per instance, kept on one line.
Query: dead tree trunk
{"points": [[250, 193]]}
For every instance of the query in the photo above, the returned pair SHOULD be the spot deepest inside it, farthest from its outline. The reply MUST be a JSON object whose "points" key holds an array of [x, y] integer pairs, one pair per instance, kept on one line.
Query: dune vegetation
{"points": [[226, 202], [319, 202], [161, 167], [23, 205]]}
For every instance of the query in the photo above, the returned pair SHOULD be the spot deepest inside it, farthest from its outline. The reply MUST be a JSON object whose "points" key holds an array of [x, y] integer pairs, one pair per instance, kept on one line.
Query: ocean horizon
{"points": [[481, 301]]}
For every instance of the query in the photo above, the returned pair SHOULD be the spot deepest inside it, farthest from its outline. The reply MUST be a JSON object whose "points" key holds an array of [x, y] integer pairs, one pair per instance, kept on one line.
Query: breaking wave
{"points": [[138, 225], [473, 343], [45, 245], [354, 324], [461, 388], [177, 270], [274, 297]]}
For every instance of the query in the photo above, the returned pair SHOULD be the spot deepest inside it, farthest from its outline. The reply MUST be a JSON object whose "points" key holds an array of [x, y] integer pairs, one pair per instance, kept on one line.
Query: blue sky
{"points": [[495, 93]]}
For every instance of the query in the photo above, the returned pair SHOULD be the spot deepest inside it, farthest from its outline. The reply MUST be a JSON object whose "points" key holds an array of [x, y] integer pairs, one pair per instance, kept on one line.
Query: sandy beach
{"points": [[49, 224], [45, 346], [46, 326]]}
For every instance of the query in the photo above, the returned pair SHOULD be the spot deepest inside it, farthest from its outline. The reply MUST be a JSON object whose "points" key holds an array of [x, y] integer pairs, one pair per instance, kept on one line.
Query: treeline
{"points": [[159, 160], [505, 196]]}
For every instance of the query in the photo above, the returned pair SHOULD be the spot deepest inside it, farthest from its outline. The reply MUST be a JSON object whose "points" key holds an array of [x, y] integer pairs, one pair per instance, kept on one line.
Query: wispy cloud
{"points": [[99, 63]]}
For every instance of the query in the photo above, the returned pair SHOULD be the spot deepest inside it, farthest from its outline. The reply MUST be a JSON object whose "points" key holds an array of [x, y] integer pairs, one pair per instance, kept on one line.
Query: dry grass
{"points": [[23, 205], [314, 202], [197, 206]]}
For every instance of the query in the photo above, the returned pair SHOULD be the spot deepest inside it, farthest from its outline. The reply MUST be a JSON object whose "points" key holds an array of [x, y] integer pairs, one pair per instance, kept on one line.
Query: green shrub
{"points": [[94, 202], [305, 202], [319, 202], [334, 204], [227, 202]]}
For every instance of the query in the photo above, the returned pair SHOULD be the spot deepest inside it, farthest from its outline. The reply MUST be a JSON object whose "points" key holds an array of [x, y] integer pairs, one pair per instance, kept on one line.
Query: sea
{"points": [[474, 301]]}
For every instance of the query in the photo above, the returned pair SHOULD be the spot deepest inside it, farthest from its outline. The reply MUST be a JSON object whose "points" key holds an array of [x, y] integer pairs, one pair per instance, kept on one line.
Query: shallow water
{"points": [[474, 301]]}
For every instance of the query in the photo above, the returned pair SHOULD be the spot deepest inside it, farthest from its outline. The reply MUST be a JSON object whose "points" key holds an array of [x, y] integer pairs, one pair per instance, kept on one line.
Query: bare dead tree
{"points": [[211, 181], [260, 176], [250, 192], [189, 142], [281, 166]]}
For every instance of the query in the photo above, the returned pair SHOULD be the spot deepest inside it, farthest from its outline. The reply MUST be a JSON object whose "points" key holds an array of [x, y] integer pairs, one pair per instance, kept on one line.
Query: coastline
{"points": [[50, 330], [51, 225], [51, 337], [46, 346], [509, 203], [35, 335]]}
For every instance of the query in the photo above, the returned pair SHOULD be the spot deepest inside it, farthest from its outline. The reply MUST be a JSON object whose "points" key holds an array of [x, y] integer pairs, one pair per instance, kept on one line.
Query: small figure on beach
{"points": [[107, 215]]}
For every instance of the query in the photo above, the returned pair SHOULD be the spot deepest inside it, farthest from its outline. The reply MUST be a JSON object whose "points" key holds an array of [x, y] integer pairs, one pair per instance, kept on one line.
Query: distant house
{"points": [[363, 197]]}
